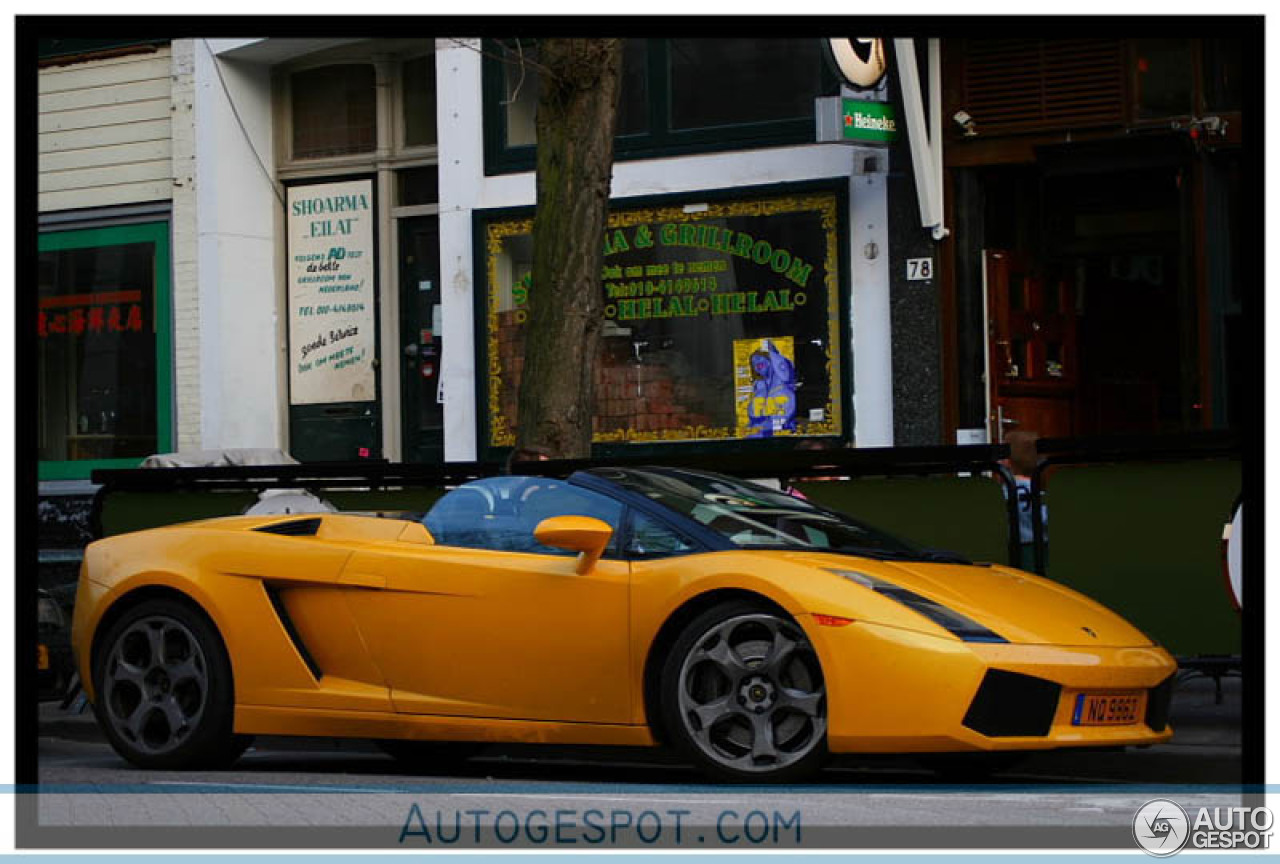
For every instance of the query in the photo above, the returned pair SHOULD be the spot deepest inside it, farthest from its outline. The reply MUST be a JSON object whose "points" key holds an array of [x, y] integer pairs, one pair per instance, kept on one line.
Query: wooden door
{"points": [[1033, 362]]}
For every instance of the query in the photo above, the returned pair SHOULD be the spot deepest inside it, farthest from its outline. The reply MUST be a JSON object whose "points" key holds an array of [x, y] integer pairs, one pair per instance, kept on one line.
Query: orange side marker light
{"points": [[832, 620]]}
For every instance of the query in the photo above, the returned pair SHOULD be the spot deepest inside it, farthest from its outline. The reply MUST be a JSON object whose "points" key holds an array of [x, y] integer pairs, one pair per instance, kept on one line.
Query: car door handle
{"points": [[362, 580]]}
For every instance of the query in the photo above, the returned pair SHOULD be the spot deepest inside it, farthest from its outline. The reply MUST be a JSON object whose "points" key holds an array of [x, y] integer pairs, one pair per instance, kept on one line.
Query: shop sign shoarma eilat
{"points": [[331, 292]]}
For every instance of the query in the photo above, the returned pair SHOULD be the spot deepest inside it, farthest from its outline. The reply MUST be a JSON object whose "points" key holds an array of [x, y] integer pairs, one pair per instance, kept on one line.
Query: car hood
{"points": [[1017, 605]]}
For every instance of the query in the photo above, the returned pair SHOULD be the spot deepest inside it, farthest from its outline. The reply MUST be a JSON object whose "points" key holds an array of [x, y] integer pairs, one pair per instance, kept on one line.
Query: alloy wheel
{"points": [[751, 695], [156, 684]]}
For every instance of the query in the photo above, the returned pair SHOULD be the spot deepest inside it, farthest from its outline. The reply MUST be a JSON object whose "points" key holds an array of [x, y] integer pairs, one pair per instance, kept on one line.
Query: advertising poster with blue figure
{"points": [[765, 386]]}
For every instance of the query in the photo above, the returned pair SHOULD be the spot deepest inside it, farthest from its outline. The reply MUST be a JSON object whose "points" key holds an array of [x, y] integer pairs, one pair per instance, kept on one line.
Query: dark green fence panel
{"points": [[415, 500], [1145, 539], [964, 514], [135, 511], [123, 512]]}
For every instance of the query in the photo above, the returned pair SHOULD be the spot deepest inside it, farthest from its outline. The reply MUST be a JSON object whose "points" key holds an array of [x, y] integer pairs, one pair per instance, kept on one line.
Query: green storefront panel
{"points": [[963, 514], [1146, 540]]}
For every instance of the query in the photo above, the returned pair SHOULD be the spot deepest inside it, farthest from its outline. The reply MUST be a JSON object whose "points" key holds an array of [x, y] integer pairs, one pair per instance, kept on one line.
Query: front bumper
{"points": [[891, 690]]}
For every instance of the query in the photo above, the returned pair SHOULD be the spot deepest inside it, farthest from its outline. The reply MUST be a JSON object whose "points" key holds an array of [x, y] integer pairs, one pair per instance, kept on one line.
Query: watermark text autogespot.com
{"points": [[1162, 828], [600, 827]]}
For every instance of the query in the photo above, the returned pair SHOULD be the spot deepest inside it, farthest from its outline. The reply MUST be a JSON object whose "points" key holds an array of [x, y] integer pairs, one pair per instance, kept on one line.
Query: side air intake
{"points": [[292, 528]]}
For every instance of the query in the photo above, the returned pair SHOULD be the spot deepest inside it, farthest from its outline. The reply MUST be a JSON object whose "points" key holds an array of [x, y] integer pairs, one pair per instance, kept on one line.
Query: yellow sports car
{"points": [[754, 631]]}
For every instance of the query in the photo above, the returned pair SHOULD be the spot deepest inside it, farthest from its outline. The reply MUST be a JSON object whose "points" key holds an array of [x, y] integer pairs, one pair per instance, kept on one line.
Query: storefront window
{"points": [[102, 348], [334, 111], [721, 322]]}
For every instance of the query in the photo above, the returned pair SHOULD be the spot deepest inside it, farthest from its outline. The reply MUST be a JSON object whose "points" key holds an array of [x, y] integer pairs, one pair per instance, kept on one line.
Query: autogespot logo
{"points": [[1161, 827]]}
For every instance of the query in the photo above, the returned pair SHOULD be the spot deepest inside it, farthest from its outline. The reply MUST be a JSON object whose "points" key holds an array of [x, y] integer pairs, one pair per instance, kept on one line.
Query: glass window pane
{"points": [[521, 87], [418, 86], [652, 539], [334, 111], [418, 186], [633, 100], [520, 93], [720, 82], [97, 353], [1163, 77], [719, 323]]}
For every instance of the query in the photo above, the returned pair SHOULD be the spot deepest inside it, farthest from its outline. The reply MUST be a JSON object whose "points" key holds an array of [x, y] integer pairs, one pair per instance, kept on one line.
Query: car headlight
{"points": [[48, 612], [950, 620]]}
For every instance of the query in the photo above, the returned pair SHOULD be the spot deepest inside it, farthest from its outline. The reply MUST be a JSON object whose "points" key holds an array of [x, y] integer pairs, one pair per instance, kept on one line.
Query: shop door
{"points": [[1033, 358], [421, 345]]}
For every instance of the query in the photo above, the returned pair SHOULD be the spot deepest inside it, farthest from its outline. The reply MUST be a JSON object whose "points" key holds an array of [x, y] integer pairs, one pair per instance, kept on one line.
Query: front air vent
{"points": [[1011, 704], [292, 528]]}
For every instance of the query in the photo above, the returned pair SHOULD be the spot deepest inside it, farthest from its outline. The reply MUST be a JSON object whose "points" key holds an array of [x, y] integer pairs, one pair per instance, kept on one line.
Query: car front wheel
{"points": [[743, 696]]}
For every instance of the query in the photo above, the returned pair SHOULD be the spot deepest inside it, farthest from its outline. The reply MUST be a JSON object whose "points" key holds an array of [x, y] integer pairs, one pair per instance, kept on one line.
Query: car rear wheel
{"points": [[743, 696], [165, 697]]}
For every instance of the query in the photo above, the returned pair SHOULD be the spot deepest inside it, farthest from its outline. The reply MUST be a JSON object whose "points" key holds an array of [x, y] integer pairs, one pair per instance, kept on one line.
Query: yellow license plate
{"points": [[44, 657], [1108, 709]]}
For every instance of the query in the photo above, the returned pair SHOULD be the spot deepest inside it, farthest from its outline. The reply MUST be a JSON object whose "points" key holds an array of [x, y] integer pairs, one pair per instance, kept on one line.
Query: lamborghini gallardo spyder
{"points": [[753, 631]]}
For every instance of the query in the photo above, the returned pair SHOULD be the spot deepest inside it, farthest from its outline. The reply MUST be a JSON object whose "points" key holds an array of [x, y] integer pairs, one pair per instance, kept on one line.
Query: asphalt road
{"points": [[322, 792]]}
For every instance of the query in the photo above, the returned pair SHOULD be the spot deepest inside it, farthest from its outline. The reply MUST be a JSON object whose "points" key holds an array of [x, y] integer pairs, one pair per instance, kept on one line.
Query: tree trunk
{"points": [[576, 116]]}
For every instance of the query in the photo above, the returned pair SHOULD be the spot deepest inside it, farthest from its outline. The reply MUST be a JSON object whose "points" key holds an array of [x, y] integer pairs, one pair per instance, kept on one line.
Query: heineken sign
{"points": [[856, 121]]}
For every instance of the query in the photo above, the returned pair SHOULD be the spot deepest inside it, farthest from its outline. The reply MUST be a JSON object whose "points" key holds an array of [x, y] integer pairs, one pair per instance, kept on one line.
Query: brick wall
{"points": [[648, 398]]}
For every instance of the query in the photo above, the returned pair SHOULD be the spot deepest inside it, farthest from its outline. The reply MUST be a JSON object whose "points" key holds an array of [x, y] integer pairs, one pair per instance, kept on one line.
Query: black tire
{"points": [[427, 757], [758, 731], [164, 691]]}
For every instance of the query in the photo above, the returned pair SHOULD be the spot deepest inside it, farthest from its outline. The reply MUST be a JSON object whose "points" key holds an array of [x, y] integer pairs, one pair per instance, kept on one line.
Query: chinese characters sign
{"points": [[331, 292], [721, 321], [99, 312]]}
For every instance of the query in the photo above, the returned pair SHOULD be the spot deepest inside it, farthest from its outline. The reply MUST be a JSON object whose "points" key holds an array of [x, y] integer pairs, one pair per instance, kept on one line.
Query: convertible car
{"points": [[753, 631]]}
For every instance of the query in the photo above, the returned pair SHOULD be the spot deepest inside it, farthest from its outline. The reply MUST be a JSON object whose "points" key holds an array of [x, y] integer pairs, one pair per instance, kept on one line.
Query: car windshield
{"points": [[502, 513], [752, 516]]}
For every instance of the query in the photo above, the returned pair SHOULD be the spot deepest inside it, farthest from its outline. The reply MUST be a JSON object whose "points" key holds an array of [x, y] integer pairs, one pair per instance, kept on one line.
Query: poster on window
{"points": [[721, 321], [331, 292], [765, 386]]}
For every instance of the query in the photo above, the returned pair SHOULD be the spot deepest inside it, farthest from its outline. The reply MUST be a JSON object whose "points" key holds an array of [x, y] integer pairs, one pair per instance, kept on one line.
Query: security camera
{"points": [[966, 122]]}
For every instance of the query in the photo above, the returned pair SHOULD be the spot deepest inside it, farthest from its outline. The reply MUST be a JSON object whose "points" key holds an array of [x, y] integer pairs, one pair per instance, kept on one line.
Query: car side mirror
{"points": [[581, 534]]}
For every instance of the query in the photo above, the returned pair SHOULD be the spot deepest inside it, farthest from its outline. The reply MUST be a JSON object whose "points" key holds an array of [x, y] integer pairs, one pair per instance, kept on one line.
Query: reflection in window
{"points": [[521, 87], [651, 539], [501, 513], [97, 352], [721, 323], [418, 102], [334, 111]]}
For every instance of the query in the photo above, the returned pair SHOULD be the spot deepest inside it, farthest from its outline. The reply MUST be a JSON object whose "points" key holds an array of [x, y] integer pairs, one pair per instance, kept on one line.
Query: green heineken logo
{"points": [[868, 121]]}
